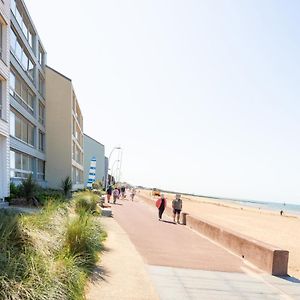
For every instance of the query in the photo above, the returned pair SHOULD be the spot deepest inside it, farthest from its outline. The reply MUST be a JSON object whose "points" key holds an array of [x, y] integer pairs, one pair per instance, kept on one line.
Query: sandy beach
{"points": [[266, 226]]}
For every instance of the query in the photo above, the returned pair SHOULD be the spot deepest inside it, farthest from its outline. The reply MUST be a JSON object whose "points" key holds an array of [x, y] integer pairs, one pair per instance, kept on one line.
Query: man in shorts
{"points": [[177, 207]]}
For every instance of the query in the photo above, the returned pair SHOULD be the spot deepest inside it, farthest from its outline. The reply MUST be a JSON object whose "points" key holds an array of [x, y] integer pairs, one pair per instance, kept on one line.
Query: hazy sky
{"points": [[204, 96]]}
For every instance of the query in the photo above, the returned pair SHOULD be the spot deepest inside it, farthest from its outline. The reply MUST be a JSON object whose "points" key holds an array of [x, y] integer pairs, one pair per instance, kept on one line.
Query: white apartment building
{"points": [[4, 97]]}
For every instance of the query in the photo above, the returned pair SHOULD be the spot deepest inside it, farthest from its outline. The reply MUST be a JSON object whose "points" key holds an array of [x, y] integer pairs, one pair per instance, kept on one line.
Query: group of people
{"points": [[161, 204], [118, 192]]}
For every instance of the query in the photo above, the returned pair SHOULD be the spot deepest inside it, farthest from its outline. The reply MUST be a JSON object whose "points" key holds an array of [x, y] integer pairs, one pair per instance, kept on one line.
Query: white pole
{"points": [[120, 165], [118, 148]]}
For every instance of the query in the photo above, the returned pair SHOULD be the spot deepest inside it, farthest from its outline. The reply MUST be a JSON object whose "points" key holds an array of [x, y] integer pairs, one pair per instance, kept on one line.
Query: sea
{"points": [[273, 206]]}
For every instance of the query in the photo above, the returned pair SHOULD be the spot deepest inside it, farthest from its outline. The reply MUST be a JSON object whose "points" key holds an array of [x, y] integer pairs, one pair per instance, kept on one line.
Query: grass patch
{"points": [[49, 254], [86, 202]]}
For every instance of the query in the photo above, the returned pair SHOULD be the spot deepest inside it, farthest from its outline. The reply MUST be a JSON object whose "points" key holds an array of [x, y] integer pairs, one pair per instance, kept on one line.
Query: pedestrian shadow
{"points": [[170, 222], [290, 279]]}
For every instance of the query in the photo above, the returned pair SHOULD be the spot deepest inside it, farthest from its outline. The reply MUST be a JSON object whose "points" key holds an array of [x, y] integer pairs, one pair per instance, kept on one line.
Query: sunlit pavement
{"points": [[179, 283], [185, 265]]}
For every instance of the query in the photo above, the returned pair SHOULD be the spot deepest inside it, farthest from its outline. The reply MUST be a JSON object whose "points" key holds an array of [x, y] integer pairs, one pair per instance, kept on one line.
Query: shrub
{"points": [[66, 186], [15, 190], [28, 188], [86, 202], [45, 195], [83, 241], [97, 185]]}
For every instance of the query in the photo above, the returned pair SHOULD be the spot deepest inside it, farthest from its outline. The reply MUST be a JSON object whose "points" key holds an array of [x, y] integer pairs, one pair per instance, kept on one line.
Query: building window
{"points": [[23, 21], [73, 150], [1, 40], [1, 100], [41, 84], [41, 56], [77, 176], [41, 170], [21, 128], [41, 113], [21, 55], [21, 165], [21, 92], [41, 141], [74, 127]]}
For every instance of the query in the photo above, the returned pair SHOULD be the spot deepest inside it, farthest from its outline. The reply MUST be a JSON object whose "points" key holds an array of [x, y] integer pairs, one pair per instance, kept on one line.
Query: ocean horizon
{"points": [[267, 205]]}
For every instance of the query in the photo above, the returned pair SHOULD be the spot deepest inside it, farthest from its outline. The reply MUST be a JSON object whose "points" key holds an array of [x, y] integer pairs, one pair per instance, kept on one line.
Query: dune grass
{"points": [[49, 254], [86, 202]]}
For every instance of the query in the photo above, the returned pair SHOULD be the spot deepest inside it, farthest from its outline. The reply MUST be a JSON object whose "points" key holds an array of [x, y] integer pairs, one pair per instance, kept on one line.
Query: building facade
{"points": [[27, 97], [93, 148], [64, 123], [4, 98]]}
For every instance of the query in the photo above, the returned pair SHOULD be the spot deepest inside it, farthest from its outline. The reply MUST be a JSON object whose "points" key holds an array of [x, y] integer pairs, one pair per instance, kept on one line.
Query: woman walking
{"points": [[108, 193], [161, 204], [116, 194]]}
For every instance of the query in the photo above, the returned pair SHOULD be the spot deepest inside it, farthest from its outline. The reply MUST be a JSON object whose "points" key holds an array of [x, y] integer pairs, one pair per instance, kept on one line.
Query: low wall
{"points": [[266, 257]]}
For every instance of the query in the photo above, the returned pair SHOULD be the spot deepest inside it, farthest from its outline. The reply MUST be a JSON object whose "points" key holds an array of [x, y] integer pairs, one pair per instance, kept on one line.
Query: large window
{"points": [[41, 56], [1, 40], [41, 170], [21, 165], [41, 113], [73, 150], [41, 84], [41, 141], [21, 92], [77, 176], [23, 21], [21, 128], [21, 55], [1, 99]]}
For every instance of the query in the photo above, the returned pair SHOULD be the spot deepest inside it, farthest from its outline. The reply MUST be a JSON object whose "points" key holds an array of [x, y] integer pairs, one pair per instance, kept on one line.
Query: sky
{"points": [[203, 96]]}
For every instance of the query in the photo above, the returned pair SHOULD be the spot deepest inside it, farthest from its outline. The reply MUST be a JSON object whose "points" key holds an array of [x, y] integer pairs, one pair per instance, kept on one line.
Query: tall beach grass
{"points": [[49, 254]]}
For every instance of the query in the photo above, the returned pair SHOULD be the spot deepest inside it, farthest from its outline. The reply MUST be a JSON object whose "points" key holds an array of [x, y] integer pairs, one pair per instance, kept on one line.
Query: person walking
{"points": [[123, 192], [132, 193], [161, 204], [116, 194], [108, 193], [177, 207]]}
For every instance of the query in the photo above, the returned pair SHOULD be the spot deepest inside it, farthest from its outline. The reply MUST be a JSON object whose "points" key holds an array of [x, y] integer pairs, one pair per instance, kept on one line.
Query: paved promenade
{"points": [[180, 263]]}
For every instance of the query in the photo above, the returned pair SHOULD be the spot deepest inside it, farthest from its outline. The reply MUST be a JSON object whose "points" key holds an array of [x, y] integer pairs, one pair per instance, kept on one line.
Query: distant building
{"points": [[64, 125], [27, 93], [93, 148], [4, 98]]}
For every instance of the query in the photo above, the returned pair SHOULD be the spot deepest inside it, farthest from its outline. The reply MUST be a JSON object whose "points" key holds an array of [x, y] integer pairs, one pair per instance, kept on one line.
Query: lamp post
{"points": [[112, 169], [115, 148], [120, 165]]}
